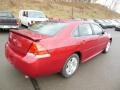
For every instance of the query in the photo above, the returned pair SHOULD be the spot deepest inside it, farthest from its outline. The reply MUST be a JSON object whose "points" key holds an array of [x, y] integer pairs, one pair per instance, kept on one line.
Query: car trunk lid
{"points": [[20, 41]]}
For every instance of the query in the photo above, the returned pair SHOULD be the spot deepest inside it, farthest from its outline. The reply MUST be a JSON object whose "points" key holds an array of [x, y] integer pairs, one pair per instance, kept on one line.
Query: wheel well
{"points": [[79, 54]]}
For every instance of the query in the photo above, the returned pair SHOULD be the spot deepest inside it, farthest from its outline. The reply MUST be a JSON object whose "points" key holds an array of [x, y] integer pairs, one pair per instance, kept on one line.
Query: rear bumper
{"points": [[9, 26], [29, 65]]}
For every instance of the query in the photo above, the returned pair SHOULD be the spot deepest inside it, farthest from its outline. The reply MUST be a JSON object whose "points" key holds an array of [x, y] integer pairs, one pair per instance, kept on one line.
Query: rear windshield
{"points": [[6, 14], [49, 29]]}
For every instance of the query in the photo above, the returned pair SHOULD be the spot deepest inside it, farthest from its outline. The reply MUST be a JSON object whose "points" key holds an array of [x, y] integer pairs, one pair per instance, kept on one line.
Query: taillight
{"points": [[17, 21], [38, 51]]}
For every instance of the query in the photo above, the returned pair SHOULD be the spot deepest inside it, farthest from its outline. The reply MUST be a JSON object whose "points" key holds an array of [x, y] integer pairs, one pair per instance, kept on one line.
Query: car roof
{"points": [[32, 10]]}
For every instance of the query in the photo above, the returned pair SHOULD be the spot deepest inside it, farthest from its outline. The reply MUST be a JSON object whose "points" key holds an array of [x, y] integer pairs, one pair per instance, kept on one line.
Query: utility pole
{"points": [[72, 11]]}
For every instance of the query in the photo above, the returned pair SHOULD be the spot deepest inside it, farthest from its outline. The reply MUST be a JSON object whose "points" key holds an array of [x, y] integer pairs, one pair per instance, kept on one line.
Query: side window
{"points": [[97, 29], [85, 30], [76, 32], [25, 13]]}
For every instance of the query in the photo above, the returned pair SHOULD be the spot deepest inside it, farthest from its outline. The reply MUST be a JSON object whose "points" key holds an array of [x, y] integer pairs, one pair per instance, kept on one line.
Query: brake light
{"points": [[38, 51], [17, 21]]}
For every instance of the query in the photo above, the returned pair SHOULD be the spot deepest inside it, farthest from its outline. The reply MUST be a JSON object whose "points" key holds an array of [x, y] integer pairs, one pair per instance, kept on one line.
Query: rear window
{"points": [[49, 29], [6, 14]]}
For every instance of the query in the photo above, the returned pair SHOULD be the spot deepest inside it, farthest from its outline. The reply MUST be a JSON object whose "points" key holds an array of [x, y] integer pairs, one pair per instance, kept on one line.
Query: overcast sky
{"points": [[106, 2], [109, 4]]}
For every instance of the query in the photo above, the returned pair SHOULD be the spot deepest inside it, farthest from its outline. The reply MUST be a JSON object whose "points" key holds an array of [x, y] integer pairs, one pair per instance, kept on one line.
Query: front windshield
{"points": [[36, 15], [49, 29]]}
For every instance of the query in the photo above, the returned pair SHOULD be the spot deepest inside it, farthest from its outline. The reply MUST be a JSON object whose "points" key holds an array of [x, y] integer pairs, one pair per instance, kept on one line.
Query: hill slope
{"points": [[59, 9]]}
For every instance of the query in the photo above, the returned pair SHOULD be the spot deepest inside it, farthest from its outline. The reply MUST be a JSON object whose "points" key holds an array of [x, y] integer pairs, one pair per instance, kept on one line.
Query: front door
{"points": [[98, 32], [87, 41]]}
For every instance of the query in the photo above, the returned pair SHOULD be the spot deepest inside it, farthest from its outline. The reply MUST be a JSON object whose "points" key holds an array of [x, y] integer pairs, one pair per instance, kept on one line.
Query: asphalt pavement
{"points": [[100, 73]]}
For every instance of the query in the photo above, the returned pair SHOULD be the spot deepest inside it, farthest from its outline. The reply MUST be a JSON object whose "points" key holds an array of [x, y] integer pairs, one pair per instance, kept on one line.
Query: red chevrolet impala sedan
{"points": [[49, 48]]}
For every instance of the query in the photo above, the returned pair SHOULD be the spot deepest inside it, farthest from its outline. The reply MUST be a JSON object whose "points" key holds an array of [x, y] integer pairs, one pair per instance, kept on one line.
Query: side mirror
{"points": [[103, 32]]}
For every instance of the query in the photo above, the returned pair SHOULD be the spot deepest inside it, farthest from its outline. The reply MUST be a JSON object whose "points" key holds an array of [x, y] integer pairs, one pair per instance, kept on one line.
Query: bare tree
{"points": [[115, 3], [12, 2]]}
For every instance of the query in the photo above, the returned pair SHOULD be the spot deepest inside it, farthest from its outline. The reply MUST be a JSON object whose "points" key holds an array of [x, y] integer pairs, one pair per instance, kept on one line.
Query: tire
{"points": [[106, 50], [70, 66]]}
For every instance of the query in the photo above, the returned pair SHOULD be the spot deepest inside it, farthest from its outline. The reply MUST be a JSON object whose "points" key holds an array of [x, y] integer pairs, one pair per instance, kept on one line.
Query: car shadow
{"points": [[4, 31]]}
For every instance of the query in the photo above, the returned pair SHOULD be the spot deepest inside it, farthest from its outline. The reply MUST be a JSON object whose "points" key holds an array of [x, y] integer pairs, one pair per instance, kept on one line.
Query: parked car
{"points": [[110, 24], [29, 17], [91, 20], [102, 23], [117, 28], [8, 21], [115, 23], [118, 20], [49, 48]]}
